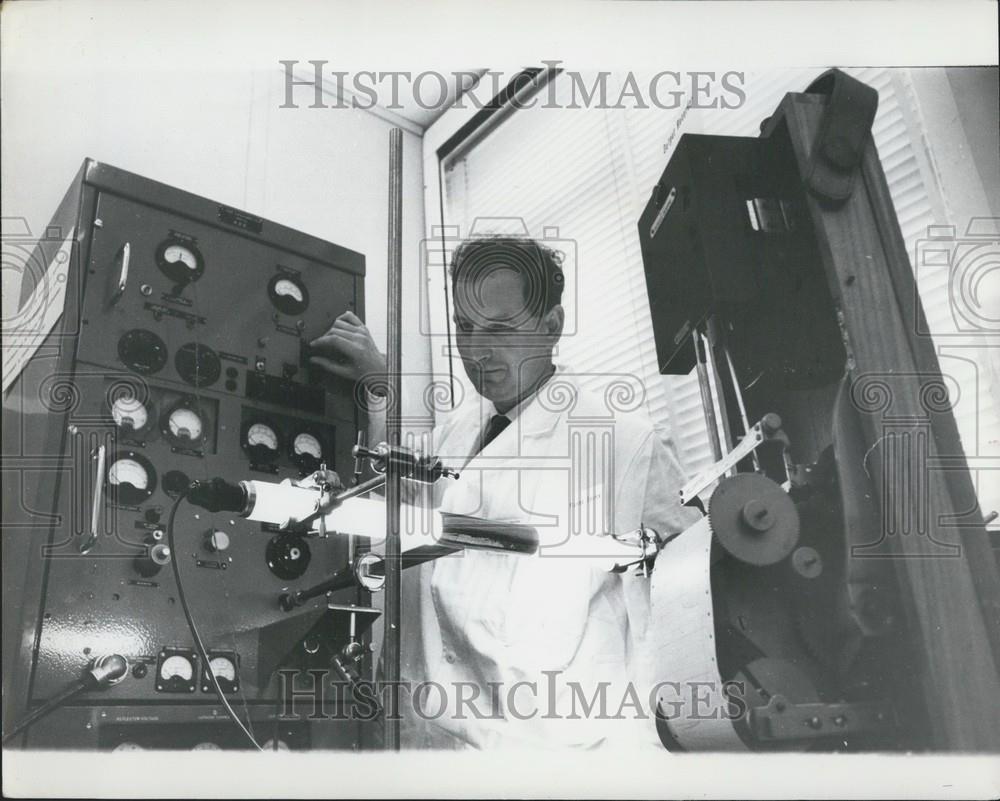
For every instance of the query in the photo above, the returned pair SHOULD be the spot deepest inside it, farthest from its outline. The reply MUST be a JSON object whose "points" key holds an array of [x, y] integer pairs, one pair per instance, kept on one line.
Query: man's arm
{"points": [[347, 350]]}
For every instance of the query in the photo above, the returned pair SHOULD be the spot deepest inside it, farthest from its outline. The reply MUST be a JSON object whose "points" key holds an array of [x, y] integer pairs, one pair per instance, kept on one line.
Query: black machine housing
{"points": [[744, 259]]}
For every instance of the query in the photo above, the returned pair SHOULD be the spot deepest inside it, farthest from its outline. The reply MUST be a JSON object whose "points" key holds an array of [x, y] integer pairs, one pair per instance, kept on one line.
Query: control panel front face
{"points": [[191, 364]]}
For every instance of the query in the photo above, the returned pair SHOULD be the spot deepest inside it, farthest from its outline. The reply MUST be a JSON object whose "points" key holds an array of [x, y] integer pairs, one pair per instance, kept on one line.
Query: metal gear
{"points": [[753, 519]]}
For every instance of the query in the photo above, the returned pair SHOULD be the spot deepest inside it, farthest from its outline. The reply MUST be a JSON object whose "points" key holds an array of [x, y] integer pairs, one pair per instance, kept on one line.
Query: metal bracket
{"points": [[782, 720], [755, 436]]}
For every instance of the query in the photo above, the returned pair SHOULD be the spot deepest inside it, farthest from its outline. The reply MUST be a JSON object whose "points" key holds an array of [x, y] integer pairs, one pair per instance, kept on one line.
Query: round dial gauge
{"points": [[289, 289], [180, 261], [129, 471], [142, 351], [131, 478], [185, 424], [288, 293], [130, 413], [262, 435], [180, 255], [197, 364], [223, 668], [308, 445], [176, 666], [307, 451]]}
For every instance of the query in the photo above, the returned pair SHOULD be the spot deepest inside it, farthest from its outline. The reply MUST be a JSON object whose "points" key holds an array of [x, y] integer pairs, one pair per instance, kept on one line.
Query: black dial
{"points": [[197, 364], [175, 482], [142, 351], [180, 261], [287, 556]]}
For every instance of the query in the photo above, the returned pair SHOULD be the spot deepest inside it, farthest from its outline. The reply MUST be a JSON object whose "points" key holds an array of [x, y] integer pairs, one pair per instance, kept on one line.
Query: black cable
{"points": [[55, 701], [102, 673], [199, 645]]}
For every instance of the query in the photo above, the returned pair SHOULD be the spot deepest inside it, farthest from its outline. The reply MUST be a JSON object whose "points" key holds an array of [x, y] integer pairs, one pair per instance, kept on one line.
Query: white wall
{"points": [[221, 135]]}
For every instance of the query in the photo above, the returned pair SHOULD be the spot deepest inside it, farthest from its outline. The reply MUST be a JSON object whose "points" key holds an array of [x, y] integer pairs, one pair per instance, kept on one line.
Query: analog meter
{"points": [[180, 261], [131, 478]]}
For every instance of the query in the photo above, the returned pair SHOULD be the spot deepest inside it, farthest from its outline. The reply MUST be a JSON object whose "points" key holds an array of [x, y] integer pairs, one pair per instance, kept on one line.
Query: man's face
{"points": [[505, 346]]}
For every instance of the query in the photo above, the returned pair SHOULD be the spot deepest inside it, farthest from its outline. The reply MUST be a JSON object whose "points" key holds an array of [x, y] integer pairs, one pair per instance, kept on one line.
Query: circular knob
{"points": [[157, 555], [772, 422], [160, 554], [216, 541]]}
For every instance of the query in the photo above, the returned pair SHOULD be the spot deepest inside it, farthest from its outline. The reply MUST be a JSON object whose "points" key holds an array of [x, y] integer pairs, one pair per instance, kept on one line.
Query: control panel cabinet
{"points": [[181, 354]]}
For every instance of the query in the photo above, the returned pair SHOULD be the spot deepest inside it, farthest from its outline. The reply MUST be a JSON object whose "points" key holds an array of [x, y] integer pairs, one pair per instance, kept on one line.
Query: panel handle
{"points": [[95, 509]]}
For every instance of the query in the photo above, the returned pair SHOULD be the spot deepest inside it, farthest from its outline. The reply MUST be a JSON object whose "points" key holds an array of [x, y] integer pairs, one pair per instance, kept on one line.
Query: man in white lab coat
{"points": [[544, 650]]}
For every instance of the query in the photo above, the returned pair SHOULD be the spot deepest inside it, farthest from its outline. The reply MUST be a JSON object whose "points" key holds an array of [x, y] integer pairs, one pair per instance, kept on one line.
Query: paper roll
{"points": [[682, 638]]}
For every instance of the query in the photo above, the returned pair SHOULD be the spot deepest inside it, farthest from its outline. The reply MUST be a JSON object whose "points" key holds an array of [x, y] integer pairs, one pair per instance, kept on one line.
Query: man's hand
{"points": [[347, 350]]}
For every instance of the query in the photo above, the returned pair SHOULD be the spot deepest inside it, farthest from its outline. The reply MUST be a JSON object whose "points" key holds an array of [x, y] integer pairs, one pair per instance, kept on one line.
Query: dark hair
{"points": [[540, 267]]}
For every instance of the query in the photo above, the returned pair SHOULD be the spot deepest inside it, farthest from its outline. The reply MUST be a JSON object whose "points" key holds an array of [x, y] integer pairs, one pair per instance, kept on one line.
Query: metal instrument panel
{"points": [[224, 302]]}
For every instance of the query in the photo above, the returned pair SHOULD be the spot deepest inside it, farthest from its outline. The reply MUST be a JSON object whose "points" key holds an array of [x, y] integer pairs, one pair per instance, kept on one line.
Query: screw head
{"points": [[757, 516], [807, 562]]}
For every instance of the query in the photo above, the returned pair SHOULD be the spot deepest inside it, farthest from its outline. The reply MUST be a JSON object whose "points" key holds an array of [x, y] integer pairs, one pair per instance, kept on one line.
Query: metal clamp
{"points": [[645, 541]]}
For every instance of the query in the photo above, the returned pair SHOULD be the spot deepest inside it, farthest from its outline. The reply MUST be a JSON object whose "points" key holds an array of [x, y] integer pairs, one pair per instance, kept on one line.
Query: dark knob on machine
{"points": [[157, 555]]}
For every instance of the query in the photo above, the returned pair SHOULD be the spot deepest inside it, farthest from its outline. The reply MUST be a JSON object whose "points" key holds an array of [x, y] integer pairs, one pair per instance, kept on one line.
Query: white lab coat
{"points": [[520, 633]]}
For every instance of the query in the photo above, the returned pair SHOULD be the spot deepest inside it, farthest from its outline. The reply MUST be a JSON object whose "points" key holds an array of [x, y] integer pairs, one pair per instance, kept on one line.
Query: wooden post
{"points": [[951, 601]]}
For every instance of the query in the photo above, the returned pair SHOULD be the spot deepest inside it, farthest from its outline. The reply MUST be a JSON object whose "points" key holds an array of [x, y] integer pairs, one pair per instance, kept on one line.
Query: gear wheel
{"points": [[754, 519]]}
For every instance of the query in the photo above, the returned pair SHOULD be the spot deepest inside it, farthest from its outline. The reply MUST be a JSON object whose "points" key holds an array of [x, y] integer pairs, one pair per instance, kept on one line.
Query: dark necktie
{"points": [[498, 423]]}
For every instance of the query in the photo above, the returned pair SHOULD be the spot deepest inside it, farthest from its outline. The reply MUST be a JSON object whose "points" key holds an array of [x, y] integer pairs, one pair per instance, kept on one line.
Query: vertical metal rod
{"points": [[712, 343], [707, 403], [394, 313], [738, 392]]}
